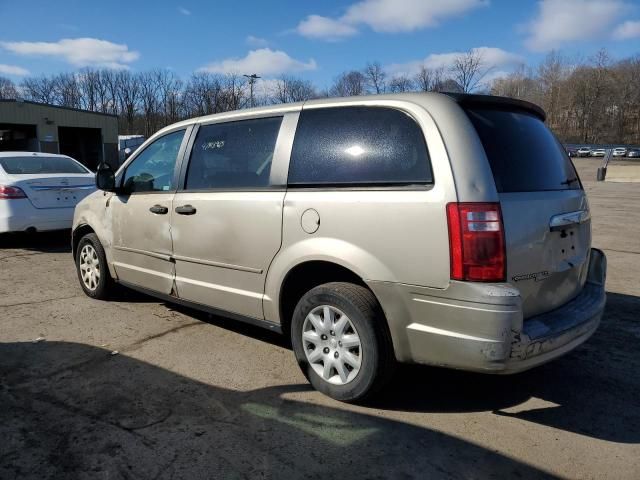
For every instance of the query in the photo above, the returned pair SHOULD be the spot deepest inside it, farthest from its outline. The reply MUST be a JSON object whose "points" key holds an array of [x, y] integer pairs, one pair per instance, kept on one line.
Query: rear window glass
{"points": [[523, 153], [36, 165], [358, 145], [233, 155]]}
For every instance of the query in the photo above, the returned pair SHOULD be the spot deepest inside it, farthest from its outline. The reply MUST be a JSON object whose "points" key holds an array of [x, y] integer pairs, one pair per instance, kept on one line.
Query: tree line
{"points": [[596, 100]]}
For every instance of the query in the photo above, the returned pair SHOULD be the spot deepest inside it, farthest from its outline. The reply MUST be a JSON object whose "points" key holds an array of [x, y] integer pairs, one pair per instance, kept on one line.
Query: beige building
{"points": [[89, 137]]}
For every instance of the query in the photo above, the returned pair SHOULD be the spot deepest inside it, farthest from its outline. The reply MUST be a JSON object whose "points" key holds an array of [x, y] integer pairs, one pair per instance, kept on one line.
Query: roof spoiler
{"points": [[491, 101]]}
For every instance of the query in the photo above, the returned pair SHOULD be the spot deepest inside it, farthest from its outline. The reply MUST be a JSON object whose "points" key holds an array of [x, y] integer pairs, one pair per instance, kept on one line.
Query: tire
{"points": [[102, 285], [341, 380]]}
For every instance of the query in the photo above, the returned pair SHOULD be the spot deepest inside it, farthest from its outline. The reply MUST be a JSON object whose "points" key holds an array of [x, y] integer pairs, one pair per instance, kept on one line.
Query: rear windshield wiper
{"points": [[569, 181]]}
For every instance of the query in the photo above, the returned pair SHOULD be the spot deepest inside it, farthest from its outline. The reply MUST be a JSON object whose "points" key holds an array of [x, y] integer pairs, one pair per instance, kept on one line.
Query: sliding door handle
{"points": [[159, 210], [185, 210]]}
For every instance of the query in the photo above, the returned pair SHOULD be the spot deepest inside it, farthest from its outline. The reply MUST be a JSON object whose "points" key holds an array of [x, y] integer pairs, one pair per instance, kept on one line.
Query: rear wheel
{"points": [[91, 265], [341, 342]]}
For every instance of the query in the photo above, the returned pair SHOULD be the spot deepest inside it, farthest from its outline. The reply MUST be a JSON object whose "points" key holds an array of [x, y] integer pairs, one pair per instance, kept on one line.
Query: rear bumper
{"points": [[20, 215], [480, 327]]}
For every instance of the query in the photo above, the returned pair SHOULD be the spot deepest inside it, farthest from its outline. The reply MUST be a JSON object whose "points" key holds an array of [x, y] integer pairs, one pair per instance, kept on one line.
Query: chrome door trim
{"points": [[161, 256], [217, 264]]}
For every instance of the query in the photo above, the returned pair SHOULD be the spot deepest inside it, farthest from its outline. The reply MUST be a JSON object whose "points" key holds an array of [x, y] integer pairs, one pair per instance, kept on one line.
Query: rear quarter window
{"points": [[523, 153], [358, 146], [35, 165]]}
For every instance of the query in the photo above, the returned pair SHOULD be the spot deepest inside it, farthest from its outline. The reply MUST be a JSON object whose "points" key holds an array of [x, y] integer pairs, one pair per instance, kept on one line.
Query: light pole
{"points": [[252, 79]]}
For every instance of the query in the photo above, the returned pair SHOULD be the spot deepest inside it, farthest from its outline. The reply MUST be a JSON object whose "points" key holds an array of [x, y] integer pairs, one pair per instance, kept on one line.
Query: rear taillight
{"points": [[476, 242], [10, 193]]}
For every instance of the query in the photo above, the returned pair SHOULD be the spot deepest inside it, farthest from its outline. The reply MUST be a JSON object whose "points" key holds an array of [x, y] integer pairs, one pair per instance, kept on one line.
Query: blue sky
{"points": [[315, 40]]}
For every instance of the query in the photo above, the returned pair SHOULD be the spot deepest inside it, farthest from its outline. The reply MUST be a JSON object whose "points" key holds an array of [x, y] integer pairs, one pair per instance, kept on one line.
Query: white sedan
{"points": [[39, 191]]}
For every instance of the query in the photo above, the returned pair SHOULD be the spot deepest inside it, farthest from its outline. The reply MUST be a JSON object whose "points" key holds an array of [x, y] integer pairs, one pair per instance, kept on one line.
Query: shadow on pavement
{"points": [[74, 411], [58, 241], [592, 391]]}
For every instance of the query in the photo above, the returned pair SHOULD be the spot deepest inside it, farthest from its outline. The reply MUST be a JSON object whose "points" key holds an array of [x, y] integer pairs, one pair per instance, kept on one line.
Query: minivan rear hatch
{"points": [[544, 208]]}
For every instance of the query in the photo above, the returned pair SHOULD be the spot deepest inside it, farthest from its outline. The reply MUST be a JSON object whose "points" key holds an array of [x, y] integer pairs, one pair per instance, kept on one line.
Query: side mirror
{"points": [[105, 178]]}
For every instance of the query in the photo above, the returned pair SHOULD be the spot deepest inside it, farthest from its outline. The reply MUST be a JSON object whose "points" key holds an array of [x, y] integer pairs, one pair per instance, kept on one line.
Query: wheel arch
{"points": [[306, 275], [79, 232]]}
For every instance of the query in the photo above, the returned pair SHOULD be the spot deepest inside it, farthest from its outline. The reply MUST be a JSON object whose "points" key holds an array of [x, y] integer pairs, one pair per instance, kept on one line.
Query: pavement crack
{"points": [[620, 251], [35, 302], [22, 255], [159, 335]]}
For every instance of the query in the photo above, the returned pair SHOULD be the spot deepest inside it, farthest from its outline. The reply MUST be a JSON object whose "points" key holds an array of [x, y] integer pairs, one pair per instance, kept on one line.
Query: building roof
{"points": [[79, 110]]}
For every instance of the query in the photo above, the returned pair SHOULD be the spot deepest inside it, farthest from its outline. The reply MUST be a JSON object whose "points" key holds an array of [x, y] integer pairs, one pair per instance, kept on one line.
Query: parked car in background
{"points": [[584, 151], [619, 152], [598, 152], [633, 153], [39, 191], [572, 152], [449, 230]]}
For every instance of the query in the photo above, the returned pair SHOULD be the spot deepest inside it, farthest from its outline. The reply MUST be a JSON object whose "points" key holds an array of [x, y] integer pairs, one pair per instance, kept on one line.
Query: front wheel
{"points": [[341, 341], [91, 265]]}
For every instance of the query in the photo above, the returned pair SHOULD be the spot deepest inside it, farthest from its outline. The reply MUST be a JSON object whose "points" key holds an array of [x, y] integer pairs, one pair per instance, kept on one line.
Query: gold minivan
{"points": [[441, 229]]}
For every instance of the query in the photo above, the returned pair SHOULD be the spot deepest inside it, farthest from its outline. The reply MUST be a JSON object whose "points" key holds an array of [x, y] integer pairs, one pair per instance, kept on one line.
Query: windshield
{"points": [[35, 165], [523, 153]]}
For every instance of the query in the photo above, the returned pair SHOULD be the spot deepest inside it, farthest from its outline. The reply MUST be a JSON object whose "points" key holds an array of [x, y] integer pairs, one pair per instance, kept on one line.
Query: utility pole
{"points": [[252, 79]]}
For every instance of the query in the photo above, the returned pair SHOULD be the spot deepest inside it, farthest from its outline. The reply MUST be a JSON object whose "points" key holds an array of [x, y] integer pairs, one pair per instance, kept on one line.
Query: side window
{"points": [[358, 145], [153, 169], [233, 155]]}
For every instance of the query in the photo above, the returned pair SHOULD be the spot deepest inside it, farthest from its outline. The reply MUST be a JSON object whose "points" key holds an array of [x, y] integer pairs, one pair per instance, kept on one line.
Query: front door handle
{"points": [[159, 209], [185, 210]]}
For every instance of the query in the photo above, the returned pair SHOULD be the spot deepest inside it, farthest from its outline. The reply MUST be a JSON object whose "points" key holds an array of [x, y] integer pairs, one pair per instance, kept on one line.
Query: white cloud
{"points": [[80, 52], [263, 61], [315, 26], [564, 21], [492, 58], [13, 70], [406, 15], [256, 42], [184, 11], [629, 29], [385, 16]]}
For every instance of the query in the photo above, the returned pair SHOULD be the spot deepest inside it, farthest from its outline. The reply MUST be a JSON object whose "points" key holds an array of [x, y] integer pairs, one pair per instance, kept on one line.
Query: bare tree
{"points": [[128, 86], [290, 89], [149, 100], [401, 83], [376, 77], [627, 98], [519, 84], [203, 94], [7, 89], [468, 70], [170, 96], [349, 84], [234, 92], [67, 90], [39, 89], [551, 75]]}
